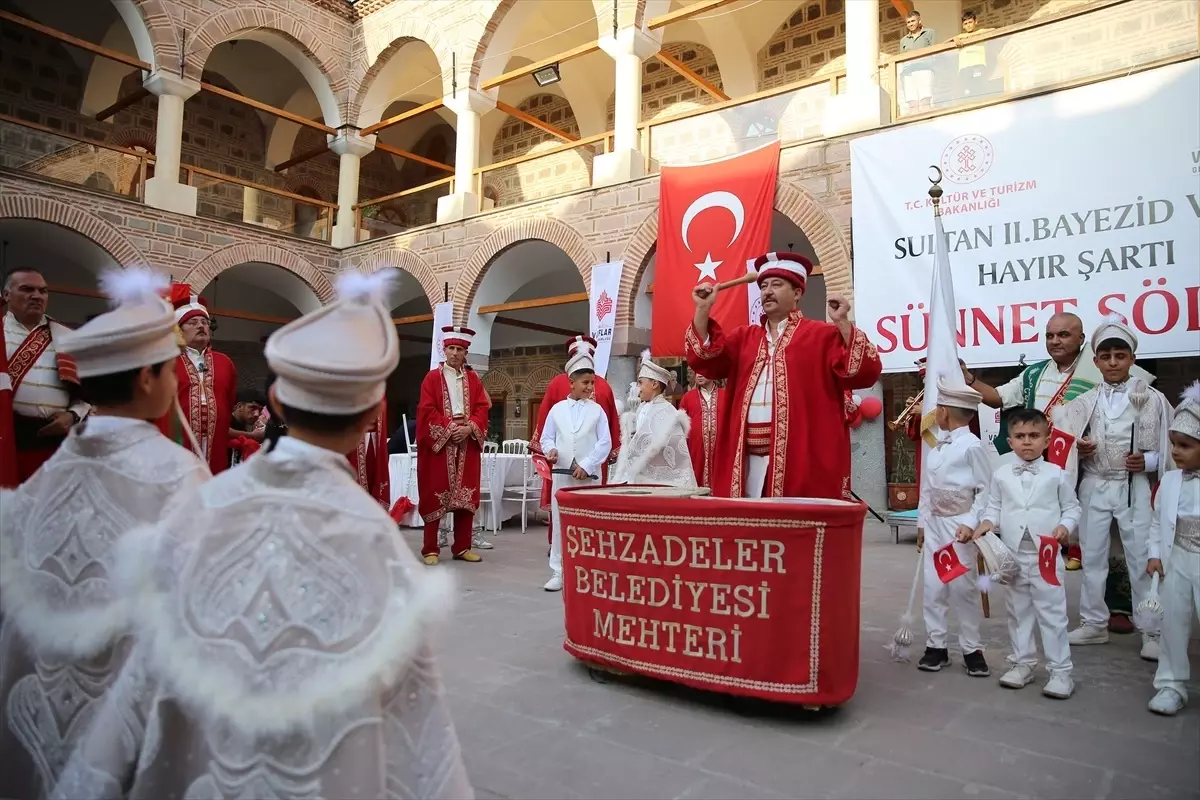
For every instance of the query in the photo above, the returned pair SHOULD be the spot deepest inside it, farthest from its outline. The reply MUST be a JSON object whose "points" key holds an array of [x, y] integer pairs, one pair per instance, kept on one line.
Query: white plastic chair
{"points": [[408, 442], [530, 491], [515, 447], [491, 447], [487, 472]]}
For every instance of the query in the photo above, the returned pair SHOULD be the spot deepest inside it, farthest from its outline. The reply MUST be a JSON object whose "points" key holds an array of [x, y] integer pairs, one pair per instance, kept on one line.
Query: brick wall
{"points": [[549, 175]]}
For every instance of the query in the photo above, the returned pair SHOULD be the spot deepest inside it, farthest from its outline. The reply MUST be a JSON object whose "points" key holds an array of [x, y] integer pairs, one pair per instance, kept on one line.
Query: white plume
{"points": [[134, 285], [1191, 395], [1113, 318], [356, 287], [646, 354]]}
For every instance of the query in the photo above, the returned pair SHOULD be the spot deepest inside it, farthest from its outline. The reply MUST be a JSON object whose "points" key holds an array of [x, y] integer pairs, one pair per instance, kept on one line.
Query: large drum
{"points": [[746, 597]]}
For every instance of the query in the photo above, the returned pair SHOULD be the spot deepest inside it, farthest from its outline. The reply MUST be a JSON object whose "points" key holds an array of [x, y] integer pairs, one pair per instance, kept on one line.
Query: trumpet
{"points": [[914, 407]]}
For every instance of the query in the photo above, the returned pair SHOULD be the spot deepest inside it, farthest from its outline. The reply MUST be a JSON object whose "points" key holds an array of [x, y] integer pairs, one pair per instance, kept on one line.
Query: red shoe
{"points": [[1074, 558], [1119, 623]]}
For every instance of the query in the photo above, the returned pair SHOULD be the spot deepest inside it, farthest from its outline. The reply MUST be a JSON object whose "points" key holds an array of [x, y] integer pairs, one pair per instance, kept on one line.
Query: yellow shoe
{"points": [[431, 559], [468, 556], [1074, 564]]}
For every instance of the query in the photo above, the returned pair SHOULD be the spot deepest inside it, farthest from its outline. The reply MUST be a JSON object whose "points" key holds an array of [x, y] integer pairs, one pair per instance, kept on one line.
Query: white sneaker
{"points": [[1019, 676], [1167, 702], [1150, 647], [1088, 634], [480, 543], [1060, 686], [555, 583]]}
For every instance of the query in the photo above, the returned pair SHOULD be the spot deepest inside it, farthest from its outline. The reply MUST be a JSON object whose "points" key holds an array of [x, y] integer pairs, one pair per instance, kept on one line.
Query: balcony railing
{"points": [[37, 149], [401, 211], [540, 173], [1068, 49], [233, 198]]}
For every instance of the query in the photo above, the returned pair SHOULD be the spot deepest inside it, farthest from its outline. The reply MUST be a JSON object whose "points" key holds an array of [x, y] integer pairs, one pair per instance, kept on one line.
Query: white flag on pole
{"points": [[602, 305], [941, 355], [753, 296], [443, 315]]}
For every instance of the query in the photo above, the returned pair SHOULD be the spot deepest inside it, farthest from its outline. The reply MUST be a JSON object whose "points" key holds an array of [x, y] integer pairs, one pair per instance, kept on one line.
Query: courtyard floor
{"points": [[535, 723]]}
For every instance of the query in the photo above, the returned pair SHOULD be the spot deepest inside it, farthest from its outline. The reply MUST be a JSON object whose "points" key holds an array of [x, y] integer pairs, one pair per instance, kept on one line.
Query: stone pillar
{"points": [[164, 190], [629, 48], [350, 148], [250, 206], [863, 104], [468, 106]]}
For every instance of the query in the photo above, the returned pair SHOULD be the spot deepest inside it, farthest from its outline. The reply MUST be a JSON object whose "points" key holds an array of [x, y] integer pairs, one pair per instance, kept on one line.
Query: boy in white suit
{"points": [[575, 438], [1175, 554], [1028, 500], [953, 494]]}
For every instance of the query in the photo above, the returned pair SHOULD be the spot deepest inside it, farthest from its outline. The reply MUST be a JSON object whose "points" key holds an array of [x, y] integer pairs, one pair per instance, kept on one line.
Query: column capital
{"points": [[632, 41], [350, 142], [471, 100], [161, 83]]}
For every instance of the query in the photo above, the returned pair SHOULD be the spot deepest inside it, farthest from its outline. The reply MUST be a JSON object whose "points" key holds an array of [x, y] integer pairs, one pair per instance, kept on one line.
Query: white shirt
{"points": [[576, 409], [454, 386], [960, 463], [762, 400], [1112, 427], [1029, 513], [41, 394], [1051, 380]]}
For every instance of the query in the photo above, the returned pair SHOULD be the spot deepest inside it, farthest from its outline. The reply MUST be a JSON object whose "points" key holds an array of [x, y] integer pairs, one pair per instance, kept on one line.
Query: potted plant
{"points": [[902, 488]]}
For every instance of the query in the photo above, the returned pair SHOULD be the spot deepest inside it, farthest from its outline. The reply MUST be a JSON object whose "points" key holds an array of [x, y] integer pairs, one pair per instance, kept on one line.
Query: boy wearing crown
{"points": [[66, 629], [452, 420], [654, 433], [1174, 554], [282, 623], [576, 442], [1120, 429], [953, 494]]}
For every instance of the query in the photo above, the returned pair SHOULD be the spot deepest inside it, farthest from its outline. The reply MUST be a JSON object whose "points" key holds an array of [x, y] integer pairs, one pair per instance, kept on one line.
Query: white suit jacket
{"points": [[1045, 502], [1166, 511]]}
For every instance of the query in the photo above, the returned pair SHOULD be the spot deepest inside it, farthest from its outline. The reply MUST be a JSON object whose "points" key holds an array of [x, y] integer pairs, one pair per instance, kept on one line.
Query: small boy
{"points": [[655, 434], [66, 630], [576, 436], [954, 490], [1028, 500], [1123, 423], [1175, 554]]}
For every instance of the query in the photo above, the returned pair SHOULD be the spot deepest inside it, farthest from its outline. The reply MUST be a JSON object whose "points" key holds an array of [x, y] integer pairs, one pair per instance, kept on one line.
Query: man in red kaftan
{"points": [[701, 405], [452, 420], [558, 389], [370, 460], [782, 429]]}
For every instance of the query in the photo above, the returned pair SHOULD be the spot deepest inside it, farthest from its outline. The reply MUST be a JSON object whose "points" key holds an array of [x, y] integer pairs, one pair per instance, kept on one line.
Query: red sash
{"points": [[30, 350], [1058, 396]]}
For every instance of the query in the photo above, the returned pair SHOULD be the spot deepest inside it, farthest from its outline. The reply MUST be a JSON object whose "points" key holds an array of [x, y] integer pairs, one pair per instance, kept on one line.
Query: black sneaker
{"points": [[934, 659], [976, 665]]}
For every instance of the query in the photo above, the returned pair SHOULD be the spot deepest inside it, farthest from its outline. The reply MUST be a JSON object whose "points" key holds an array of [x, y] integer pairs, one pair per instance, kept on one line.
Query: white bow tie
{"points": [[1029, 466], [1191, 474]]}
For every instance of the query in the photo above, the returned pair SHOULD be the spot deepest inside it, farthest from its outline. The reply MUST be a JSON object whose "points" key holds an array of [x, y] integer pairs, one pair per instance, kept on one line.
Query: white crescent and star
{"points": [[949, 559], [720, 199]]}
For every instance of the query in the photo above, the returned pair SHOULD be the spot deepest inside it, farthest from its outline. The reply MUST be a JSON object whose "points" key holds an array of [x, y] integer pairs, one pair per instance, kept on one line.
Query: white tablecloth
{"points": [[508, 473]]}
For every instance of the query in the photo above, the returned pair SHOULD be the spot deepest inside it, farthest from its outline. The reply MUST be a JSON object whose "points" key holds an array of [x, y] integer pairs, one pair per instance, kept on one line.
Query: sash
{"points": [[30, 350], [1072, 387]]}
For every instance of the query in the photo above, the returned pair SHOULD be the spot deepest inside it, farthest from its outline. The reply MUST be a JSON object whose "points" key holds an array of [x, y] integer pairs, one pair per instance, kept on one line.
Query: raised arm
{"points": [[1008, 395], [705, 343]]}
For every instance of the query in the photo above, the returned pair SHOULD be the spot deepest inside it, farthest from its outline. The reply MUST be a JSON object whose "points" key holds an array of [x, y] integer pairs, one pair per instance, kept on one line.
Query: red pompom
{"points": [[871, 407]]}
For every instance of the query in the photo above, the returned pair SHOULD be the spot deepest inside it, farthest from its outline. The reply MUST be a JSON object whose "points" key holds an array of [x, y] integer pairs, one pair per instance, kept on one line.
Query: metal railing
{"points": [[47, 152], [233, 198], [400, 211]]}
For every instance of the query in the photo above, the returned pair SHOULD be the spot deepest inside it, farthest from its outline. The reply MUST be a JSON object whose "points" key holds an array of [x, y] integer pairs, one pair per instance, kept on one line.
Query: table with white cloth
{"points": [[509, 472]]}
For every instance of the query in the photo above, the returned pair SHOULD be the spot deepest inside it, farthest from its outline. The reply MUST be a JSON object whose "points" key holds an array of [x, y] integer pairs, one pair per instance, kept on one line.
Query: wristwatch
{"points": [[971, 382], [74, 416]]}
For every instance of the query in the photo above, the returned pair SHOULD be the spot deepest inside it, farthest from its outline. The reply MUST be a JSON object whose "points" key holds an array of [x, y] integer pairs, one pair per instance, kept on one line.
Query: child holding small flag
{"points": [[1033, 504]]}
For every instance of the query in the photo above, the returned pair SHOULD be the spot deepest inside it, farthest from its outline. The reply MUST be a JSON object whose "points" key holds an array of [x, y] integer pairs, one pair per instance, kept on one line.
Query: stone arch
{"points": [[134, 137], [73, 218], [795, 203], [387, 36], [537, 380], [164, 36], [497, 381], [133, 17], [566, 238], [321, 68], [410, 262], [494, 24], [203, 273]]}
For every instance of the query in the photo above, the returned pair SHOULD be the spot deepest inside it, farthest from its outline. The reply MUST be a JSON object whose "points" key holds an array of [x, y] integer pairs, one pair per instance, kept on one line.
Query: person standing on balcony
{"points": [[44, 384], [972, 58], [207, 381], [916, 78]]}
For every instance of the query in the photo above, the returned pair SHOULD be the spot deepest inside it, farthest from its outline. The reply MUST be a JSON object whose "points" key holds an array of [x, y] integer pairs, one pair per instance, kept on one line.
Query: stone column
{"points": [[350, 148], [863, 104], [250, 206], [626, 162], [468, 106], [164, 190]]}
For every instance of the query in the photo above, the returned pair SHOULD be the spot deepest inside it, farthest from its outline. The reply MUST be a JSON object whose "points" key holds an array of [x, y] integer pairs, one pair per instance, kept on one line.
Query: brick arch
{"points": [[410, 262], [75, 219], [500, 382], [401, 27], [135, 137], [203, 273], [164, 35], [537, 380], [492, 21], [794, 203], [563, 236], [301, 184]]}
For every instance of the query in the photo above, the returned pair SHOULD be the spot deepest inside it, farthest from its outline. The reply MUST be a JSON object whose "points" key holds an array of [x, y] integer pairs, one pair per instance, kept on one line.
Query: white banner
{"points": [[753, 296], [443, 315], [1084, 200], [602, 304]]}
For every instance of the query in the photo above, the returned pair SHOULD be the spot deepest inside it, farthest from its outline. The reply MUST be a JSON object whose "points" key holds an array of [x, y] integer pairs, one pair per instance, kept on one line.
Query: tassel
{"points": [[903, 638], [1148, 614]]}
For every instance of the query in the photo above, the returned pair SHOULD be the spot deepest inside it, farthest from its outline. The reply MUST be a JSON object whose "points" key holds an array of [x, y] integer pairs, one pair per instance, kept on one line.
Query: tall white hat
{"points": [[581, 341], [337, 359], [459, 335], [138, 332], [957, 394], [792, 267], [1113, 327], [581, 358], [653, 371], [1187, 413]]}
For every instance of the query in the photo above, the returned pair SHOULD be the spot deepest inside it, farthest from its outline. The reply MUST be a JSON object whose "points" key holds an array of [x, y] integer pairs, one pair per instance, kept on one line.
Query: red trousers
{"points": [[462, 535], [28, 461]]}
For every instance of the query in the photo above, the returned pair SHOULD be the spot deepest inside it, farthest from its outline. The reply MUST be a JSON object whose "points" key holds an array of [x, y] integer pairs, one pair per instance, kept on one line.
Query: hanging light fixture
{"points": [[547, 75]]}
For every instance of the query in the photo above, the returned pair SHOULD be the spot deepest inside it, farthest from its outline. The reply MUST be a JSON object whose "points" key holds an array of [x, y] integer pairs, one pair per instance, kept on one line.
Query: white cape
{"points": [[654, 446]]}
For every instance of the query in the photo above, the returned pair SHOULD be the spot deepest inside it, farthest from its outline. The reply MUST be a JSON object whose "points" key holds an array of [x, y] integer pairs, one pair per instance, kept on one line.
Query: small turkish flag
{"points": [[946, 562], [542, 467], [1048, 552], [1059, 449]]}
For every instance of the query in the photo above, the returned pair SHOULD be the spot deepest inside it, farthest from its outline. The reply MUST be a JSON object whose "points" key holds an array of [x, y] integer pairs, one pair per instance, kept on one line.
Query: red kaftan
{"points": [[559, 388], [209, 413], [370, 461], [448, 473], [702, 436], [813, 366]]}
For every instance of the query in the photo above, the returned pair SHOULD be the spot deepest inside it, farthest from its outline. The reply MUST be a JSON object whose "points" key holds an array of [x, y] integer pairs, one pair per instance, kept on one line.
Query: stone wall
{"points": [[549, 175]]}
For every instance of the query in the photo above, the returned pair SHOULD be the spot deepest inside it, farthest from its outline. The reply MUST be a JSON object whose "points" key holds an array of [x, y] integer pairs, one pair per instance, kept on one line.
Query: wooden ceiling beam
{"points": [[66, 38], [390, 121], [536, 326], [529, 119], [904, 7], [396, 151], [134, 97], [687, 12], [300, 159], [691, 75], [412, 320], [267, 108], [529, 69], [540, 302]]}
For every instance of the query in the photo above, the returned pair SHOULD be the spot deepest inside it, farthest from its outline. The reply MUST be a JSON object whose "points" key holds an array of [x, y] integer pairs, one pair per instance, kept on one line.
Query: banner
{"points": [[443, 316], [1083, 200], [602, 302], [712, 219]]}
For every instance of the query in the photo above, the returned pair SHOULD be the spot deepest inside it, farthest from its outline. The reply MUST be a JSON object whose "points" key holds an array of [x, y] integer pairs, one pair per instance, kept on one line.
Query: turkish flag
{"points": [[1059, 449], [1048, 550], [946, 562], [712, 219]]}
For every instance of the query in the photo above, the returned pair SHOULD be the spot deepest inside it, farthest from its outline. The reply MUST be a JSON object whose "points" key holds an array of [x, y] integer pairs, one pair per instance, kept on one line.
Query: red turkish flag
{"points": [[712, 219], [1048, 551], [947, 564], [1059, 449]]}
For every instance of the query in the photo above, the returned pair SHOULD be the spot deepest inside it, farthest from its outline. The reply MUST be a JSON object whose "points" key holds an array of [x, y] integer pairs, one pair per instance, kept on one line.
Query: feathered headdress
{"points": [[1187, 414], [353, 286], [134, 285]]}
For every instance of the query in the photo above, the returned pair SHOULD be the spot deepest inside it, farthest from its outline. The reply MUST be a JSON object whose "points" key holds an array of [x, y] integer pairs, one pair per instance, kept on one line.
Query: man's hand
{"points": [[1087, 447], [552, 456], [1154, 567], [965, 533], [1135, 462], [459, 434], [256, 435], [612, 457], [1061, 533], [839, 308], [920, 539], [578, 474], [704, 295], [58, 425]]}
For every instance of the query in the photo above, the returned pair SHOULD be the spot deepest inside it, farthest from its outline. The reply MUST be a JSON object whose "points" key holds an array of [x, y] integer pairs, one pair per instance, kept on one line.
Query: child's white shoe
{"points": [[1019, 676], [1088, 634], [1167, 702], [1150, 647], [555, 584], [1060, 686]]}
